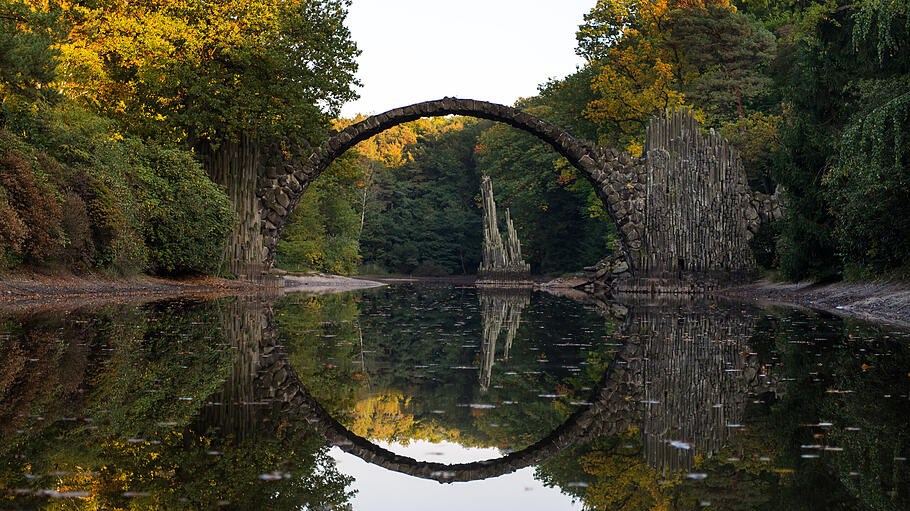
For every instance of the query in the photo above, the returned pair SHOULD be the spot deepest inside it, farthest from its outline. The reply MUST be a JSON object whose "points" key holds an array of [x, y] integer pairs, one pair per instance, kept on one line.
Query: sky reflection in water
{"points": [[381, 489]]}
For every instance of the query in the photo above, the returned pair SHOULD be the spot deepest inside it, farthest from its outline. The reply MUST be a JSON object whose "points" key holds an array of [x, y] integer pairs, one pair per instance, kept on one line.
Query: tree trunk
{"points": [[363, 202], [235, 166]]}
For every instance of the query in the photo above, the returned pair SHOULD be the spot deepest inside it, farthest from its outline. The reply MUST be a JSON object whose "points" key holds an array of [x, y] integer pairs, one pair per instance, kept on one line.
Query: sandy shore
{"points": [[884, 302], [27, 290], [324, 283]]}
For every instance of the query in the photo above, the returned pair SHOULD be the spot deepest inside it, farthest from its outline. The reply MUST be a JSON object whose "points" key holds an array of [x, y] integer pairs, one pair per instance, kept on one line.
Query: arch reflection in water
{"points": [[183, 405], [681, 376]]}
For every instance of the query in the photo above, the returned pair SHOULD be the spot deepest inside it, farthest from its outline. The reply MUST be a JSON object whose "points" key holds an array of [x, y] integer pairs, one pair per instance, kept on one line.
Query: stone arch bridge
{"points": [[683, 211]]}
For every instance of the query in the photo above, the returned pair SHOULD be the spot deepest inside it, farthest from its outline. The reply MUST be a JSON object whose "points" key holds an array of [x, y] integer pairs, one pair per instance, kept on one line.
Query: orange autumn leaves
{"points": [[639, 71]]}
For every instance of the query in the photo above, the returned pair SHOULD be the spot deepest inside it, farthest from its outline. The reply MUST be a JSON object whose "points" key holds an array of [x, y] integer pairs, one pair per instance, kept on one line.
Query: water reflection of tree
{"points": [[98, 398], [703, 370], [119, 428], [424, 353]]}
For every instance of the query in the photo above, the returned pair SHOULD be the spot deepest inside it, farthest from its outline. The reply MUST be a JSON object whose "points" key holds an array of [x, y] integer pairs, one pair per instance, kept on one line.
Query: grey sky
{"points": [[493, 50]]}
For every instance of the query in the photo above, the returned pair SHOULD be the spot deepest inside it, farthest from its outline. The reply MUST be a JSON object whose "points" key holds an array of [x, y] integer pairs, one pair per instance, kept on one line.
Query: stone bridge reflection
{"points": [[682, 377]]}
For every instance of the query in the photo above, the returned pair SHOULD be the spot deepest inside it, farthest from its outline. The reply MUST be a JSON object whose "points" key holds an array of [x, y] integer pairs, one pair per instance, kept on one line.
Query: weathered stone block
{"points": [[294, 184], [751, 213]]}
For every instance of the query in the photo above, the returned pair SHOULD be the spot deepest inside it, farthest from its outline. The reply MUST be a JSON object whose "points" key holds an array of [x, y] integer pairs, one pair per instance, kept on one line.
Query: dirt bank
{"points": [[32, 291], [26, 290], [885, 302]]}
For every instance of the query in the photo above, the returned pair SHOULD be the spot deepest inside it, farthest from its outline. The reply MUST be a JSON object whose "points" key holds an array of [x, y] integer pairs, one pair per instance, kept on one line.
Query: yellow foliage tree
{"points": [[623, 480], [639, 69], [385, 417]]}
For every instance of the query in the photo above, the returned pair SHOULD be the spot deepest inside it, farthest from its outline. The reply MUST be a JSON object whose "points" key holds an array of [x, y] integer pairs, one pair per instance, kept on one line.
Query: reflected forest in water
{"points": [[245, 403]]}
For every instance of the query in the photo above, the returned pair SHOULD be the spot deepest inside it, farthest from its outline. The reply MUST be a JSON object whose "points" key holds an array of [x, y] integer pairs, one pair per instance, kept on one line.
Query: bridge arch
{"points": [[612, 173]]}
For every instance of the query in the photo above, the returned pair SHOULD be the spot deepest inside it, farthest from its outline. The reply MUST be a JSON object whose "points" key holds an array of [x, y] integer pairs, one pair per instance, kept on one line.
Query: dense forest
{"points": [[114, 115]]}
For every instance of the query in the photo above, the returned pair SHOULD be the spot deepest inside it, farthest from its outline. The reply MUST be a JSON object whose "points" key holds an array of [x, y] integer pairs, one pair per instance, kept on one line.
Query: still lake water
{"points": [[446, 397]]}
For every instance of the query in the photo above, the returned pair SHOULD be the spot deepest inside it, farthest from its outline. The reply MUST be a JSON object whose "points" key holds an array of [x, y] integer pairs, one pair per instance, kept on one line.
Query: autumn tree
{"points": [[225, 78], [653, 55], [76, 188], [637, 73]]}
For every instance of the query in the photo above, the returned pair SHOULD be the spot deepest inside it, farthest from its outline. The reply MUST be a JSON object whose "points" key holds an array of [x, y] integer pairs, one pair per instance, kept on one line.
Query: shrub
{"points": [[73, 190], [186, 217], [114, 227], [80, 249], [430, 269], [35, 205], [12, 232]]}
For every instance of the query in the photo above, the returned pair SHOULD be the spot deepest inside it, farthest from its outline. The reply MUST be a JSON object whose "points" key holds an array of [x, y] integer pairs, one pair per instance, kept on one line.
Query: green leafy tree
{"points": [[323, 231], [27, 52], [728, 54], [74, 188], [550, 202], [869, 182], [422, 214], [843, 112]]}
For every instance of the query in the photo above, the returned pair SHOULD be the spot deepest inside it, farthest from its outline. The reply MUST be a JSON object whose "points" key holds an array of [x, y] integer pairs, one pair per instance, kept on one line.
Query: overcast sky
{"points": [[492, 50]]}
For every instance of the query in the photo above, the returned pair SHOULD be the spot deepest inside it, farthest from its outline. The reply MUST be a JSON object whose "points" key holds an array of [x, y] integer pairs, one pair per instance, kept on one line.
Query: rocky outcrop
{"points": [[502, 262]]}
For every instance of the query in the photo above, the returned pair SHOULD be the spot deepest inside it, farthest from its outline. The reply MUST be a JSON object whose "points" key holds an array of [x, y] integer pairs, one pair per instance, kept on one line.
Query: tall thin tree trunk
{"points": [[739, 104], [235, 166], [363, 202]]}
